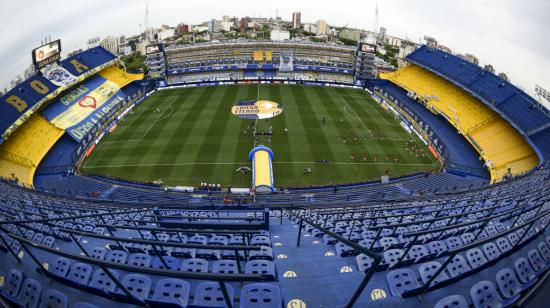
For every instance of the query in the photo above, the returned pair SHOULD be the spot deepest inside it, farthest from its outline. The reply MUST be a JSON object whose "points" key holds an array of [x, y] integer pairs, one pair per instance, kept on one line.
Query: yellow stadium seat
{"points": [[258, 55], [118, 76], [497, 141], [26, 147]]}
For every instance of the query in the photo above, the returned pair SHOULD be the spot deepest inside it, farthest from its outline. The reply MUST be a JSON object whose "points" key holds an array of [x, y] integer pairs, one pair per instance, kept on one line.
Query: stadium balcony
{"points": [[528, 115], [91, 59], [504, 149], [118, 76], [30, 96], [26, 148], [458, 154]]}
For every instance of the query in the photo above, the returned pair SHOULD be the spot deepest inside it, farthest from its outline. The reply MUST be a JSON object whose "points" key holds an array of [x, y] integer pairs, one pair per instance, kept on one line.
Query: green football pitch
{"points": [[188, 136]]}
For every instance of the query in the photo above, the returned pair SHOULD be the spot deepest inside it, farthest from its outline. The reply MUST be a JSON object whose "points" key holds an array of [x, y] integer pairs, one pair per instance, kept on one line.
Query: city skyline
{"points": [[489, 36]]}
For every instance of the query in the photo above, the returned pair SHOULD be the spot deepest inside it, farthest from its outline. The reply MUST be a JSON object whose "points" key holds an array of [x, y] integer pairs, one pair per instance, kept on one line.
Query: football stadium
{"points": [[257, 172]]}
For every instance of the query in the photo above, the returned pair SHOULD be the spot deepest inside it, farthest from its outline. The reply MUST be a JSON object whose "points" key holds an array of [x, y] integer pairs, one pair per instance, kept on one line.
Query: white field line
{"points": [[160, 117], [246, 163]]}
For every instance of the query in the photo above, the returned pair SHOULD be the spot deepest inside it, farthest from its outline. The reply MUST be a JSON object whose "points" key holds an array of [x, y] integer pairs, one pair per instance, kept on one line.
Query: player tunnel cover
{"points": [[257, 109]]}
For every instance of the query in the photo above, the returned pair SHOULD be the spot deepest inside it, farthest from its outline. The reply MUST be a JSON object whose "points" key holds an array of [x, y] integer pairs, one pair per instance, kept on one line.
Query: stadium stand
{"points": [[513, 103], [247, 58], [459, 155], [118, 76], [504, 150], [26, 148], [438, 247], [88, 60], [423, 240]]}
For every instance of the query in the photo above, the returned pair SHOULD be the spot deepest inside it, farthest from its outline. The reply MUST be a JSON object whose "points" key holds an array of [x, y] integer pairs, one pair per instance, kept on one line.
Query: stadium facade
{"points": [[474, 234]]}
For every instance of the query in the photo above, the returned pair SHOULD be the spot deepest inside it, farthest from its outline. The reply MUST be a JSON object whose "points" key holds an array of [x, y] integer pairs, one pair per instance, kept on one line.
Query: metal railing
{"points": [[377, 259]]}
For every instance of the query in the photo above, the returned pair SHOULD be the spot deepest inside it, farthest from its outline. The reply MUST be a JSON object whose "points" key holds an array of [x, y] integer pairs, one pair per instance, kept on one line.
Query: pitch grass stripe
{"points": [[282, 146], [244, 143], [393, 127], [374, 125], [375, 113], [144, 117], [145, 151], [344, 128], [313, 128], [170, 151], [113, 153], [197, 135], [135, 151], [215, 132]]}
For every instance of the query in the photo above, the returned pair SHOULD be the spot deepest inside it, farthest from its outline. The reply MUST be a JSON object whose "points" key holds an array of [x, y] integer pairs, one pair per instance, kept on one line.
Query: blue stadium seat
{"points": [[209, 294], [195, 265], [344, 250], [508, 284], [260, 240], [364, 262], [80, 273], [261, 267], [13, 283], [503, 244], [428, 269], [170, 292], [31, 291], [484, 295], [392, 257], [225, 267], [208, 254], [437, 247], [54, 299], [102, 282], [401, 280], [524, 271], [171, 262], [491, 251], [98, 253], [266, 253], [475, 257], [84, 305], [417, 253], [457, 266], [138, 285], [139, 260], [117, 256], [179, 252], [261, 295], [537, 262], [544, 251], [60, 267], [452, 301]]}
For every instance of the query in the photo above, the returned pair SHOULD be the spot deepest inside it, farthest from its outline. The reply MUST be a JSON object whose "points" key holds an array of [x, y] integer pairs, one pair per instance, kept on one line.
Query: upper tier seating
{"points": [[502, 147], [514, 103], [118, 76]]}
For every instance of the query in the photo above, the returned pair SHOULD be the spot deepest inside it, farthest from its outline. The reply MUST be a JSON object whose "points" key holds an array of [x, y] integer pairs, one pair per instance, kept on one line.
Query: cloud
{"points": [[506, 33]]}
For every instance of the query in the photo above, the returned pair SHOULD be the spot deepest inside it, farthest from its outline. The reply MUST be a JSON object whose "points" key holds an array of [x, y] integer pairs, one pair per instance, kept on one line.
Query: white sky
{"points": [[513, 35]]}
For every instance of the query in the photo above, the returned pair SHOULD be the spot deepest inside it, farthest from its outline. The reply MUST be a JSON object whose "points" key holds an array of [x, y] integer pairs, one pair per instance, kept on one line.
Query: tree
{"points": [[348, 41], [135, 63]]}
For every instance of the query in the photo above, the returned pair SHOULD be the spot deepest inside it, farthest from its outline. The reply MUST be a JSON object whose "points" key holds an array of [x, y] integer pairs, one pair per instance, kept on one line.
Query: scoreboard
{"points": [[46, 54]]}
